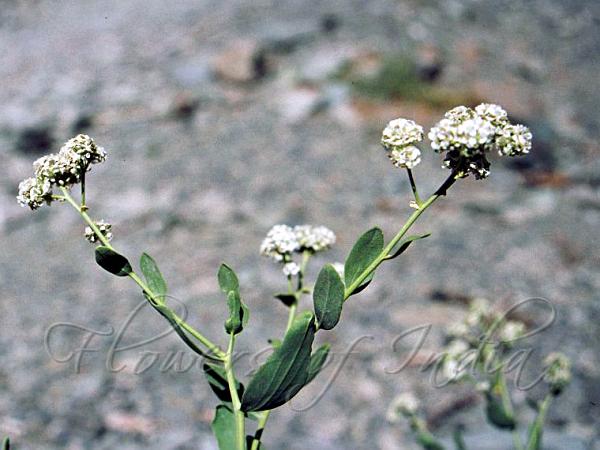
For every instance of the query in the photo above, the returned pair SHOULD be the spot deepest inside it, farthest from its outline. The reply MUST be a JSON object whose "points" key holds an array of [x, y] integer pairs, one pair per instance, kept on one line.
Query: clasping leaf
{"points": [[286, 371], [112, 262], [366, 250]]}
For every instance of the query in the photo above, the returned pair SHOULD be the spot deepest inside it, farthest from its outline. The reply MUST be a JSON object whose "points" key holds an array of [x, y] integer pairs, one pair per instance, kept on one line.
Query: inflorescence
{"points": [[283, 241], [464, 135], [62, 169], [105, 229]]}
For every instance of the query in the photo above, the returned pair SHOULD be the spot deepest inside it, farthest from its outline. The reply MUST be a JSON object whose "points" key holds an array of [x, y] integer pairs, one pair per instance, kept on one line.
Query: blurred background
{"points": [[224, 118]]}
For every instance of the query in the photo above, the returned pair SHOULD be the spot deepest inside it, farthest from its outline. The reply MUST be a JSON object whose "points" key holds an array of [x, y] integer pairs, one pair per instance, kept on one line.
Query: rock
{"points": [[242, 62]]}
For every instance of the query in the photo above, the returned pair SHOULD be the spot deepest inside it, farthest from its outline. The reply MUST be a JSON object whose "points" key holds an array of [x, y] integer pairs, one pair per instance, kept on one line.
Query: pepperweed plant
{"points": [[476, 352], [464, 136]]}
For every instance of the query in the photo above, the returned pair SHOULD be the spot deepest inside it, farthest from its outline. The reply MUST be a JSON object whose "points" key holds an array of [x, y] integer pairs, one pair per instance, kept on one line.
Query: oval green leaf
{"points": [[317, 359], [366, 250], [228, 280], [112, 262], [328, 297], [154, 278], [223, 426], [285, 372]]}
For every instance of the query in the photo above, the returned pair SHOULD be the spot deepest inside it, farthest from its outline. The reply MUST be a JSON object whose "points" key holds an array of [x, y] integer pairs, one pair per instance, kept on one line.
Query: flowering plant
{"points": [[474, 353], [464, 135]]}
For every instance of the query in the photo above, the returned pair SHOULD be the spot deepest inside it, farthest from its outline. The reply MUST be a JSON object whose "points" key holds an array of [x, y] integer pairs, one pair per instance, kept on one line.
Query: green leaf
{"points": [[401, 248], [286, 299], [223, 426], [228, 280], [497, 414], [317, 359], [235, 323], [217, 379], [154, 278], [6, 444], [365, 251], [285, 372], [328, 297], [112, 262], [238, 312]]}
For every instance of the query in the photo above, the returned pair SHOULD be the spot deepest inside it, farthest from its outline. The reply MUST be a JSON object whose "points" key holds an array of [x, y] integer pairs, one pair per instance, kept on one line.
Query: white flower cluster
{"points": [[398, 138], [34, 193], [104, 228], [465, 338], [283, 241], [558, 372], [466, 135], [404, 405], [62, 169]]}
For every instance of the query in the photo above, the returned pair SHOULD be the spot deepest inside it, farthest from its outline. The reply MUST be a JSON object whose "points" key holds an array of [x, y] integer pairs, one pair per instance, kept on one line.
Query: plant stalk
{"points": [[409, 223]]}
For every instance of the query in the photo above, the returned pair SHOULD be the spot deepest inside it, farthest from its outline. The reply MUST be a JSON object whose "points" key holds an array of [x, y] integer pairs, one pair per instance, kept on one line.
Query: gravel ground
{"points": [[224, 118]]}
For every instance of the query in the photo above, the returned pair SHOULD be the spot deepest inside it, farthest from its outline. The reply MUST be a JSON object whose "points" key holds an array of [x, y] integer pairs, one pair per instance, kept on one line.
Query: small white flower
{"points": [[314, 239], [405, 404], [514, 140], [492, 113], [405, 157], [479, 311], [399, 133], [103, 227], [34, 193], [290, 269], [558, 371], [466, 135], [458, 330], [280, 242], [456, 348], [511, 331]]}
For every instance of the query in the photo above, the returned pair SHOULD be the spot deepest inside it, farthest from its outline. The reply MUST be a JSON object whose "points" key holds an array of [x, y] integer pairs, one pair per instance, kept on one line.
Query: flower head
{"points": [[465, 135], [103, 227], [406, 157], [399, 133], [404, 405], [290, 269], [398, 138], [62, 169], [314, 239], [34, 193], [558, 372], [280, 242]]}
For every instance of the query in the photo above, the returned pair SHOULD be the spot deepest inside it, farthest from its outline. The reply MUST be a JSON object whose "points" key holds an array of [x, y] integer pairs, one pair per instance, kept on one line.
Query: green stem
{"points": [[411, 220], [83, 205], [196, 334], [534, 440], [262, 422], [240, 430], [413, 185], [508, 407]]}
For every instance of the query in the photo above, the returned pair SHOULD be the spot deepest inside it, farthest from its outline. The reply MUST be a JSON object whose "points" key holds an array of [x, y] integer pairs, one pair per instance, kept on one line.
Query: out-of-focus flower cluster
{"points": [[62, 169], [479, 336], [399, 137], [558, 372], [105, 229], [464, 135], [283, 241], [404, 405]]}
